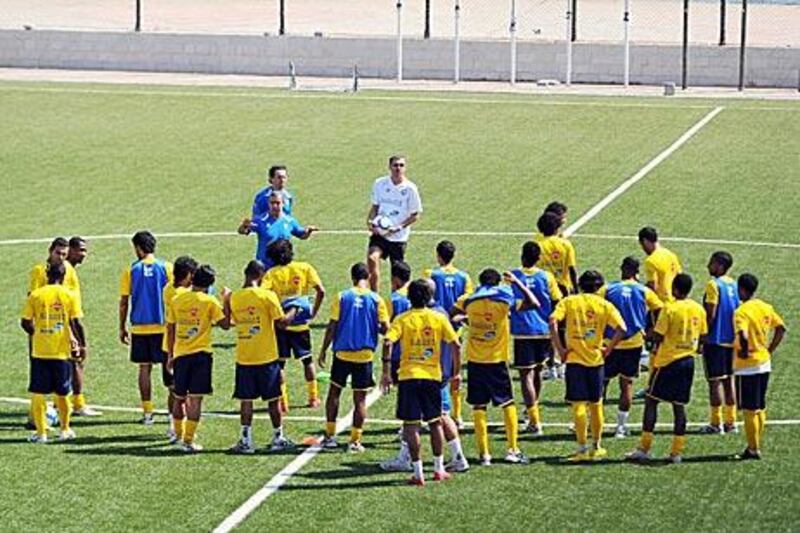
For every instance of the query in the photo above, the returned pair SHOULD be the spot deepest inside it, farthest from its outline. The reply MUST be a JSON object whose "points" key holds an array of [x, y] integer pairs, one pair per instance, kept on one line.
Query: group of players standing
{"points": [[537, 315]]}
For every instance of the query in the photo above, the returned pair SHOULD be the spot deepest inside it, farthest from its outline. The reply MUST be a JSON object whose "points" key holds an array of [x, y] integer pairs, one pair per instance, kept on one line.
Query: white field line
{"points": [[370, 421], [543, 101], [644, 171], [445, 233]]}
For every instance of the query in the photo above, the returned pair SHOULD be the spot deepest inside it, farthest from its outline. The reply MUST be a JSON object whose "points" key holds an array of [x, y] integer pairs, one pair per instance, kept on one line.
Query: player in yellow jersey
{"points": [[486, 313], [51, 318], [679, 334], [183, 272], [190, 317], [293, 281], [753, 322], [661, 265], [358, 316], [421, 332], [586, 317], [257, 312]]}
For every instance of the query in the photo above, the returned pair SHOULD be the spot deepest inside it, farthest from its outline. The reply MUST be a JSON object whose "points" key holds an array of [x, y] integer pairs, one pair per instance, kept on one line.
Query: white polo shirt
{"points": [[397, 202]]}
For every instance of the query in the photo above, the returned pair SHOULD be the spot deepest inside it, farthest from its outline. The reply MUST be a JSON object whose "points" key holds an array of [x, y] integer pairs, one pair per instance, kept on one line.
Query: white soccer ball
{"points": [[383, 224], [52, 416]]}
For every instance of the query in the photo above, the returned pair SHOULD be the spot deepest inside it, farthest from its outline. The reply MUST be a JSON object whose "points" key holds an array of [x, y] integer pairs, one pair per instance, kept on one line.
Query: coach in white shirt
{"points": [[395, 206]]}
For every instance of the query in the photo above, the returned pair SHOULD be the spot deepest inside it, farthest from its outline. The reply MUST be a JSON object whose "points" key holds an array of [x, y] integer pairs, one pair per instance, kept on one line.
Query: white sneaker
{"points": [[242, 447], [356, 447], [730, 429], [329, 443], [398, 464], [37, 439], [173, 437], [535, 431], [190, 447], [571, 427], [147, 419], [638, 455], [457, 465], [516, 457], [710, 429], [486, 460], [561, 371], [640, 394], [621, 432], [460, 424], [674, 459], [281, 444], [86, 411], [550, 374], [66, 434]]}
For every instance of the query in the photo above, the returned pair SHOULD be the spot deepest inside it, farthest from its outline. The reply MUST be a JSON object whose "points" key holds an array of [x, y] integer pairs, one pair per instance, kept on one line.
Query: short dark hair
{"points": [[531, 252], [145, 241], [548, 223], [76, 241], [723, 259], [630, 265], [281, 252], [274, 170], [648, 234], [184, 266], [204, 276], [401, 271], [419, 293], [556, 207], [359, 272], [682, 284], [590, 281], [489, 277], [58, 242], [56, 273], [748, 282], [446, 250], [254, 269], [395, 157]]}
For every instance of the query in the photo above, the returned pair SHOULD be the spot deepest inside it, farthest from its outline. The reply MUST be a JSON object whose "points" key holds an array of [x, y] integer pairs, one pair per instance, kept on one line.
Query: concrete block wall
{"points": [[376, 57]]}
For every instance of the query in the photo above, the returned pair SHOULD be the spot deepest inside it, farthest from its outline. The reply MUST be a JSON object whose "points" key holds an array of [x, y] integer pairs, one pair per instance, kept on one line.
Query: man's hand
{"points": [[510, 278], [311, 229], [321, 360], [394, 229], [562, 353], [170, 363], [386, 383], [226, 294], [124, 338]]}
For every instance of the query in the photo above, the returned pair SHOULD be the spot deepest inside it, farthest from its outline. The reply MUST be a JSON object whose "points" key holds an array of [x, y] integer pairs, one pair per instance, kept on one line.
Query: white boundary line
{"points": [[370, 421], [644, 171], [444, 233]]}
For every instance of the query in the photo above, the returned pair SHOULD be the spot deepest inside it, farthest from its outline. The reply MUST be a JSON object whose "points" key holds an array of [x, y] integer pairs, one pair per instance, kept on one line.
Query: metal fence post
{"points": [[722, 14], [457, 43], [512, 29], [568, 76], [685, 47], [427, 33], [743, 45], [281, 17], [137, 26], [574, 30], [626, 21], [399, 40]]}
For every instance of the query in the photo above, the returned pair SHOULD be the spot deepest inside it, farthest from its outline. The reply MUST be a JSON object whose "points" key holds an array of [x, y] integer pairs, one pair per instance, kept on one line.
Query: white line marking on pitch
{"points": [[435, 233], [644, 171]]}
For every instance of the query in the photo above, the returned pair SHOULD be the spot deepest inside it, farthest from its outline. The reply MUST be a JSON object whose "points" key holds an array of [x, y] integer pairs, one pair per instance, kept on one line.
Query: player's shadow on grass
{"points": [[653, 463], [350, 470]]}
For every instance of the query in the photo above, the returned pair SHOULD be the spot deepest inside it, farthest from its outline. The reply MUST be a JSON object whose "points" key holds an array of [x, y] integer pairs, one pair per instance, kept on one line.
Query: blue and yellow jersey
{"points": [[660, 269], [420, 334], [451, 284], [143, 282], [51, 308], [557, 256], [255, 310], [261, 201], [293, 283], [38, 278], [488, 328], [723, 294], [681, 323], [532, 323], [587, 316], [756, 319], [194, 313], [633, 301], [358, 313]]}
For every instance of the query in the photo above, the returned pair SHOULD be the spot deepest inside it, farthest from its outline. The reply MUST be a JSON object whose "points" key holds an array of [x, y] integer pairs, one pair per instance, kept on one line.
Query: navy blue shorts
{"points": [[360, 374], [258, 381], [488, 382], [623, 362], [751, 391], [394, 251], [717, 361], [419, 400], [193, 374], [583, 383], [146, 348], [297, 343], [530, 353], [673, 383], [50, 376]]}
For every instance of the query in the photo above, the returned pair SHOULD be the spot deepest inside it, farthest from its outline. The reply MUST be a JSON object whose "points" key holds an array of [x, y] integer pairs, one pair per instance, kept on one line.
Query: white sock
{"points": [[438, 463], [455, 449], [247, 434], [418, 469], [277, 432], [622, 418]]}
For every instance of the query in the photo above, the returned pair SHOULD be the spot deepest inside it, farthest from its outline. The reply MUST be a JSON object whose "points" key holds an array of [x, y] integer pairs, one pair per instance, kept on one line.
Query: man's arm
{"points": [[373, 212], [456, 352], [123, 319], [777, 338], [320, 290], [326, 342], [286, 319], [612, 343], [529, 301], [386, 361], [573, 277], [27, 325], [170, 344], [245, 227], [561, 350]]}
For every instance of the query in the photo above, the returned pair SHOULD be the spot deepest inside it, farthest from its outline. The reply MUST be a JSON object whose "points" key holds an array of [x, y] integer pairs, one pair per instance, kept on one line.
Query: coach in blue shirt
{"points": [[275, 225], [277, 176]]}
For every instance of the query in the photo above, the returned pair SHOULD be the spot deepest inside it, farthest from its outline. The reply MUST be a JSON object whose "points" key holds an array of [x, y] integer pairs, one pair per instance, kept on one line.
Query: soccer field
{"points": [[105, 161]]}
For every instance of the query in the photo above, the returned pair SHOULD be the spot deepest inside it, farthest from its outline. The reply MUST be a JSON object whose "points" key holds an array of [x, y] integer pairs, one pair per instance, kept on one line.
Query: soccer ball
{"points": [[52, 416], [383, 224]]}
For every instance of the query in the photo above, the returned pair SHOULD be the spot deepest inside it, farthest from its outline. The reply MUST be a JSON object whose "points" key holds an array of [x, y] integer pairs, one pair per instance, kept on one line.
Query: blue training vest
{"points": [[400, 305], [532, 321], [498, 293], [450, 286], [357, 328], [629, 299], [147, 292], [721, 330]]}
